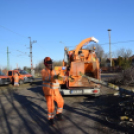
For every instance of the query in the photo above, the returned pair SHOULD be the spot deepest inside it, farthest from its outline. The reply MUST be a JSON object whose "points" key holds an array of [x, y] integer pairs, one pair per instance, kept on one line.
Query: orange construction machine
{"points": [[76, 64]]}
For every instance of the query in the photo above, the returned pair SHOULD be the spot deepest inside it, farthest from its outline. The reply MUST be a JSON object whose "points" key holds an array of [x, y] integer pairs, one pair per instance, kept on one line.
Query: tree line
{"points": [[122, 58]]}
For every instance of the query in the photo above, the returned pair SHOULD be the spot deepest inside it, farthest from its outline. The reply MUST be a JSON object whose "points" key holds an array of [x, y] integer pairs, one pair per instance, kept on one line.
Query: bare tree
{"points": [[128, 52], [57, 63], [40, 65], [125, 53], [106, 55], [99, 50]]}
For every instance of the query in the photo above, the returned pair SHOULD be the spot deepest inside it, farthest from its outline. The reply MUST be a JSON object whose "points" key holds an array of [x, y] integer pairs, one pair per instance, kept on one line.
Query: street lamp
{"points": [[110, 55]]}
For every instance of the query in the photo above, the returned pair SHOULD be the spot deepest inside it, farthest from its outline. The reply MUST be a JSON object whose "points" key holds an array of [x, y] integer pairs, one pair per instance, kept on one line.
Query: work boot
{"points": [[51, 121], [59, 116]]}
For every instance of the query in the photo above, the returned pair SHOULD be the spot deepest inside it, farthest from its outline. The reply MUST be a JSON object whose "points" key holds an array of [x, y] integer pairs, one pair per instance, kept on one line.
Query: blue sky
{"points": [[68, 21]]}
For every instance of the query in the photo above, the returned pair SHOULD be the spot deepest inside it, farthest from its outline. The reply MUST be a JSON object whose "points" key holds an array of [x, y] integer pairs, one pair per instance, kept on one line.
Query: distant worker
{"points": [[16, 79], [51, 91]]}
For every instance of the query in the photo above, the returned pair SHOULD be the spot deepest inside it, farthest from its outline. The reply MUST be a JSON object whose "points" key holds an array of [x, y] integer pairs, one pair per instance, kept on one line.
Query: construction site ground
{"points": [[23, 110]]}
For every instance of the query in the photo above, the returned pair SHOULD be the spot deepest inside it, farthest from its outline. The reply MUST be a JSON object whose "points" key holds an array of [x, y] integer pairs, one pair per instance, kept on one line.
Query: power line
{"points": [[19, 56], [112, 43], [3, 51], [24, 53], [118, 42], [44, 49], [13, 31]]}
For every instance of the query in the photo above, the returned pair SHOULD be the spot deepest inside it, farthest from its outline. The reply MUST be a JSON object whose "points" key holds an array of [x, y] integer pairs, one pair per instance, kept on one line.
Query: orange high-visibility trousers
{"points": [[16, 79], [50, 104]]}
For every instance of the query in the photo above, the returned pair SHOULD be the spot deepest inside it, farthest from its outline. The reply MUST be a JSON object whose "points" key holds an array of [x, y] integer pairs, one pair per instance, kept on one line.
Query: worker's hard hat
{"points": [[47, 60]]}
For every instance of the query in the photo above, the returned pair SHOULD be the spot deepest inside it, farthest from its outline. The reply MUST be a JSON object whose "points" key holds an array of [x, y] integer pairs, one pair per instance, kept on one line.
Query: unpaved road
{"points": [[23, 111]]}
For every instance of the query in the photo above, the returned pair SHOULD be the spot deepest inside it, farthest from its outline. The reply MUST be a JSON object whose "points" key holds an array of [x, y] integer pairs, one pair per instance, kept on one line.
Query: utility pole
{"points": [[7, 59], [31, 42], [110, 54]]}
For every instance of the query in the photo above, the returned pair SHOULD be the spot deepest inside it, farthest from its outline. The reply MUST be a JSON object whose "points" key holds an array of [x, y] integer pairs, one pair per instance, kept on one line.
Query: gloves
{"points": [[81, 74], [71, 79], [55, 77], [61, 78], [58, 77]]}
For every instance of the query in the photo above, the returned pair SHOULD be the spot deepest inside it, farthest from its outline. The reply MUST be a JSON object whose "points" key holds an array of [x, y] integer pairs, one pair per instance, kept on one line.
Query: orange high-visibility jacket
{"points": [[16, 78], [50, 85]]}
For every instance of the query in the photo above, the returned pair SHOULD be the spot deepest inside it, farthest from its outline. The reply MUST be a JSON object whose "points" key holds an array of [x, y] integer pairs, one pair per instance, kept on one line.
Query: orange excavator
{"points": [[76, 64]]}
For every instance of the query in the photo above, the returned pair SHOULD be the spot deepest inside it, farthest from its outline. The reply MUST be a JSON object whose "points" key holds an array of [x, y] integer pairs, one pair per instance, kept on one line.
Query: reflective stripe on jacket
{"points": [[16, 78], [49, 86]]}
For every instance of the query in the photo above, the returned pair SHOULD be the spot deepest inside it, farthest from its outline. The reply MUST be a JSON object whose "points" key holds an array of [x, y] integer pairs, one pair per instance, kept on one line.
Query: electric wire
{"points": [[13, 31], [127, 41]]}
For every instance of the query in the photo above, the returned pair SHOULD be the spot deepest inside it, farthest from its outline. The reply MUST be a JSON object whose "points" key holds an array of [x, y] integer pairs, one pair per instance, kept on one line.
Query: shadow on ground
{"points": [[23, 114], [27, 113]]}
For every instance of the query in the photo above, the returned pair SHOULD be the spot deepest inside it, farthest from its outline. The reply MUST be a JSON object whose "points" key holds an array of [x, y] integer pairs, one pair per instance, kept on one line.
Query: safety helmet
{"points": [[47, 60]]}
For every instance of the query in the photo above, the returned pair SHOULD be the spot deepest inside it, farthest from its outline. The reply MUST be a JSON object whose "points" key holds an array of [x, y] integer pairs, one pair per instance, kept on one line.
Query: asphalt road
{"points": [[23, 111]]}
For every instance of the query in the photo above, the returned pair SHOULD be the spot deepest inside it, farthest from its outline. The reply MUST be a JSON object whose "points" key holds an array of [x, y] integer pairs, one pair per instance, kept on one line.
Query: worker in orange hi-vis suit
{"points": [[51, 91], [16, 79]]}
